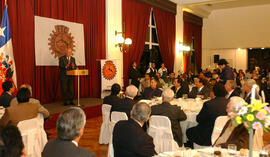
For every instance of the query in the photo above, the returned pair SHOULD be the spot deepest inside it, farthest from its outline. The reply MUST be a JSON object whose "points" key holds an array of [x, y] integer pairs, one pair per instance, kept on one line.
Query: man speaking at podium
{"points": [[67, 62]]}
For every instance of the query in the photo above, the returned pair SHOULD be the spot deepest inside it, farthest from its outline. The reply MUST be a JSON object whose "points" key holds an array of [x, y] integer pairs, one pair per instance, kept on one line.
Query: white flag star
{"points": [[2, 31]]}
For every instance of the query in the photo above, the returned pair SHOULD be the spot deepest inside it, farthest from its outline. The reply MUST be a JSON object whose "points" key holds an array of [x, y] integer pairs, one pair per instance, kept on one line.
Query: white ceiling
{"points": [[204, 7]]}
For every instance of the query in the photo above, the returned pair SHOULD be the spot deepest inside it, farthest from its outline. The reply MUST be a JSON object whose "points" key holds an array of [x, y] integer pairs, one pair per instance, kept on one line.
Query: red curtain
{"points": [[135, 16], [44, 79], [165, 23], [196, 31]]}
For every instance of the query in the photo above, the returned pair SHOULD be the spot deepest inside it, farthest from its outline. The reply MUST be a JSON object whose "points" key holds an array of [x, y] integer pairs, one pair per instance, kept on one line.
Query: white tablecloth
{"points": [[190, 106], [206, 152]]}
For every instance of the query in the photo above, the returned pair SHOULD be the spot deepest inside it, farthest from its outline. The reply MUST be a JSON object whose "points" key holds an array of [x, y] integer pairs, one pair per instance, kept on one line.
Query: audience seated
{"points": [[129, 139], [152, 70], [231, 134], [152, 91], [23, 111], [70, 128], [11, 144], [247, 89], [113, 98], [171, 78], [201, 134], [145, 83], [174, 113], [178, 88], [200, 90], [41, 109], [126, 104], [160, 81], [7, 95], [231, 89]]}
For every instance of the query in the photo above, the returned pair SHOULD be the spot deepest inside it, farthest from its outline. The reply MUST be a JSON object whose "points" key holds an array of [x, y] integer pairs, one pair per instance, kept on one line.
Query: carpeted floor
{"points": [[90, 112]]}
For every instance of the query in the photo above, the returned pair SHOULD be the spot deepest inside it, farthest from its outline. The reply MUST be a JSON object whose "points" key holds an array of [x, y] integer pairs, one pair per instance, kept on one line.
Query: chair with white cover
{"points": [[115, 117], [258, 140], [104, 136], [160, 130], [218, 127], [33, 135]]}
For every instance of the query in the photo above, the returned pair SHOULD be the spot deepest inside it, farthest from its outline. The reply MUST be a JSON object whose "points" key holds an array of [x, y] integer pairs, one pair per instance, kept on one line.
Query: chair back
{"points": [[33, 135], [160, 130], [104, 136], [115, 117], [218, 127]]}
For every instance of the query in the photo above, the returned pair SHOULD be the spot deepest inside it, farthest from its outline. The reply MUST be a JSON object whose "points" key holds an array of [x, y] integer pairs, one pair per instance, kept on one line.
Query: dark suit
{"points": [[247, 98], [226, 74], [179, 93], [149, 93], [58, 147], [175, 114], [130, 140], [205, 92], [123, 105], [134, 75], [239, 136], [201, 134], [235, 92], [111, 100], [66, 82], [5, 99]]}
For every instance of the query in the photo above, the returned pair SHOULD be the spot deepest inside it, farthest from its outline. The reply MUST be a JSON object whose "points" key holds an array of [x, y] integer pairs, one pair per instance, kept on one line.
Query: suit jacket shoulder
{"points": [[129, 139], [57, 147]]}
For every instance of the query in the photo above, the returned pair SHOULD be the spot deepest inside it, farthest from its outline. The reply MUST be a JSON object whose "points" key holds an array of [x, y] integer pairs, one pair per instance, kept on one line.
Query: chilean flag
{"points": [[7, 64]]}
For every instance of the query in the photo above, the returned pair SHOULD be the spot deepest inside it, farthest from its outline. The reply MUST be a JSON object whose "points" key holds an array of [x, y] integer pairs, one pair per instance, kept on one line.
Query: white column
{"points": [[178, 61], [114, 23]]}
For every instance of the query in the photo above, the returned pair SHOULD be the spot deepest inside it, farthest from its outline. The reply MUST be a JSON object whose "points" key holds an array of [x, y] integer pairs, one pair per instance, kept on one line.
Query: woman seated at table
{"points": [[152, 91]]}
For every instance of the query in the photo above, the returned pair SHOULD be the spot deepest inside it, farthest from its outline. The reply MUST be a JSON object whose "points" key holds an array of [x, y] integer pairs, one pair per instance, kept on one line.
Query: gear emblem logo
{"points": [[60, 40]]}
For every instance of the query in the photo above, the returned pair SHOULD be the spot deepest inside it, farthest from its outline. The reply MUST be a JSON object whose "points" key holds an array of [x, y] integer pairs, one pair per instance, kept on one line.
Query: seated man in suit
{"points": [[174, 113], [129, 139], [126, 104], [178, 88], [70, 127], [152, 91], [7, 95], [234, 135], [201, 134], [231, 89], [145, 83], [247, 88], [200, 90], [161, 82], [41, 109], [113, 98], [23, 111]]}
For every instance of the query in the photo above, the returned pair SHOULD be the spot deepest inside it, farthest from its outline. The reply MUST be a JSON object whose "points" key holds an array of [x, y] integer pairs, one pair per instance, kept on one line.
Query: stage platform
{"points": [[57, 107]]}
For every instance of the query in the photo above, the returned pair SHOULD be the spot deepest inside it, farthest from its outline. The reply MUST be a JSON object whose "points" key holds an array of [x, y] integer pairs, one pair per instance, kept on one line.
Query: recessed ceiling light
{"points": [[262, 48], [250, 48], [239, 49]]}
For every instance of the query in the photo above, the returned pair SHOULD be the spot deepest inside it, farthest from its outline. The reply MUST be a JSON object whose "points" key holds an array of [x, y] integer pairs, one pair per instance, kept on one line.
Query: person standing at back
{"points": [[227, 73]]}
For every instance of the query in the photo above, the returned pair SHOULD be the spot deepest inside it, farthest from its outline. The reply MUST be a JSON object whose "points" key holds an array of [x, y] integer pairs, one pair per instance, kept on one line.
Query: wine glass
{"points": [[232, 149]]}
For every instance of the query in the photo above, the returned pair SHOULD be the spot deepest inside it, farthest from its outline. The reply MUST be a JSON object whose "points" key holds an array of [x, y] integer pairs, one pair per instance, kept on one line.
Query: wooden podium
{"points": [[78, 72]]}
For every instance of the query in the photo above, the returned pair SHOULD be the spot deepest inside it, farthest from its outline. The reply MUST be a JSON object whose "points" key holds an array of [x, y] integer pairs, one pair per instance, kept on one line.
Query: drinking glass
{"points": [[232, 149], [185, 96]]}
